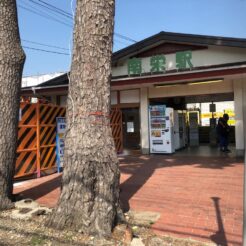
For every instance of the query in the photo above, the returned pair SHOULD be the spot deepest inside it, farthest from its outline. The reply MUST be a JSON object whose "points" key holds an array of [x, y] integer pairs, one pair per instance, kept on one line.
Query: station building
{"points": [[182, 71]]}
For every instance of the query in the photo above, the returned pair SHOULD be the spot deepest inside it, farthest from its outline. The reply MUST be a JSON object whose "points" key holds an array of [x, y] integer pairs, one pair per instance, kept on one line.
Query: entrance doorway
{"points": [[201, 116], [131, 128]]}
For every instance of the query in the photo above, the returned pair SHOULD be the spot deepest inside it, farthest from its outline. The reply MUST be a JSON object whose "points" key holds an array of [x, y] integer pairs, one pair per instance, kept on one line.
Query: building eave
{"points": [[177, 38], [181, 77]]}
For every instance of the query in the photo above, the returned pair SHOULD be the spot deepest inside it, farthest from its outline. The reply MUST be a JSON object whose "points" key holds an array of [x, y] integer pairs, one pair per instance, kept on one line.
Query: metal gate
{"points": [[116, 126], [36, 151]]}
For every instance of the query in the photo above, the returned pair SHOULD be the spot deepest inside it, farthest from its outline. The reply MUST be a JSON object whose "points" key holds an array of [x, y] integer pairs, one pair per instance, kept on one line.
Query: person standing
{"points": [[223, 131]]}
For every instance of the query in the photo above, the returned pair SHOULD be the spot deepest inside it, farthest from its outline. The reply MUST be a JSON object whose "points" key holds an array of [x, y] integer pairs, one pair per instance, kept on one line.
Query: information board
{"points": [[60, 134]]}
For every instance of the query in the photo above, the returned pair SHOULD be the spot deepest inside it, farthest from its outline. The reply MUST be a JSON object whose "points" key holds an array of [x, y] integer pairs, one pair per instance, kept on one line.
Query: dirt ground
{"points": [[33, 232]]}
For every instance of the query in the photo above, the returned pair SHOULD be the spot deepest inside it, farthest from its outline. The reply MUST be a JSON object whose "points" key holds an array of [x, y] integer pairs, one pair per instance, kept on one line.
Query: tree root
{"points": [[6, 204]]}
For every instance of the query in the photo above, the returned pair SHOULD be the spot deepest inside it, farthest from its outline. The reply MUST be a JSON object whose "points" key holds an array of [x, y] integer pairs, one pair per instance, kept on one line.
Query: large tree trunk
{"points": [[12, 60], [90, 183]]}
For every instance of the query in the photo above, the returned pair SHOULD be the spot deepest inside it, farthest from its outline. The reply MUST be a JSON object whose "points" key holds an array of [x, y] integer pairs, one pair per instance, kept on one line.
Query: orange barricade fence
{"points": [[116, 126], [26, 162], [36, 151], [47, 135]]}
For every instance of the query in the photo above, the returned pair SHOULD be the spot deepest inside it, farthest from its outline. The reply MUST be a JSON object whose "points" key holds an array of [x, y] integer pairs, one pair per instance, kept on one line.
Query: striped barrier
{"points": [[36, 151], [47, 119], [26, 162], [116, 126], [36, 148]]}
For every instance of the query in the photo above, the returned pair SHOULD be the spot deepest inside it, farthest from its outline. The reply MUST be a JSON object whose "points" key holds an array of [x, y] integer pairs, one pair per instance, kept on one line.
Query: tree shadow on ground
{"points": [[141, 168], [40, 190]]}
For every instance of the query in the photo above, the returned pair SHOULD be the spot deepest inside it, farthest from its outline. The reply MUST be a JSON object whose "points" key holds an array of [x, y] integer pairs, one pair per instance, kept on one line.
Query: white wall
{"points": [[244, 114], [63, 101], [129, 96], [126, 96], [144, 120], [38, 79], [207, 57], [113, 96]]}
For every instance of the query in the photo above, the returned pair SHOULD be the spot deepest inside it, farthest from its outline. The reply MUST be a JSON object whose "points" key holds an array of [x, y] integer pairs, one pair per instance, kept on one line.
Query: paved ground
{"points": [[198, 197]]}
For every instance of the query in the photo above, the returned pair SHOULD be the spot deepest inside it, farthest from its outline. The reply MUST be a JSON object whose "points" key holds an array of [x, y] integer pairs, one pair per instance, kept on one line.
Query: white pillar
{"points": [[239, 127], [144, 119], [244, 191]]}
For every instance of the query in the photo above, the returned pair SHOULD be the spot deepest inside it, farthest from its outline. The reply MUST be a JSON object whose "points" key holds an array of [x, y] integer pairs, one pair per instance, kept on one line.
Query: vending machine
{"points": [[161, 129]]}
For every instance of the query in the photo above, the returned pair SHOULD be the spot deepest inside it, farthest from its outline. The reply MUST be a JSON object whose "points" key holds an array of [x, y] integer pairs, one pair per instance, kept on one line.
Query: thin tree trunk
{"points": [[12, 60], [90, 185]]}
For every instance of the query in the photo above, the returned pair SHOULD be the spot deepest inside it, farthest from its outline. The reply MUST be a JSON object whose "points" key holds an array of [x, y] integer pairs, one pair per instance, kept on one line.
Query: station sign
{"points": [[158, 63]]}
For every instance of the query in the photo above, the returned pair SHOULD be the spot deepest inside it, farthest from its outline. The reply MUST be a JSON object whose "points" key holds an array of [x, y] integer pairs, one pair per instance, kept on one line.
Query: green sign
{"points": [[158, 63], [183, 59], [134, 66]]}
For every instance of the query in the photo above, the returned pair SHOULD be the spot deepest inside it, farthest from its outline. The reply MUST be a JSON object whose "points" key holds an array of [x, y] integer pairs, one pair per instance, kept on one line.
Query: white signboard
{"points": [[60, 132]]}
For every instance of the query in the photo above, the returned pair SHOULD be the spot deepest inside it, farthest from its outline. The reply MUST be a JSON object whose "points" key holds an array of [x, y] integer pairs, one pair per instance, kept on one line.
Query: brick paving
{"points": [[198, 197]]}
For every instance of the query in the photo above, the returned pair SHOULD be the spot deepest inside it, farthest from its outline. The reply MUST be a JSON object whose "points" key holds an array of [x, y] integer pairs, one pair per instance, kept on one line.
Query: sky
{"points": [[134, 20]]}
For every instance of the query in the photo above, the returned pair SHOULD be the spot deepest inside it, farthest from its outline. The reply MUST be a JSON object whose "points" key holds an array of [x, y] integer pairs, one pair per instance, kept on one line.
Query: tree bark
{"points": [[90, 184], [12, 60]]}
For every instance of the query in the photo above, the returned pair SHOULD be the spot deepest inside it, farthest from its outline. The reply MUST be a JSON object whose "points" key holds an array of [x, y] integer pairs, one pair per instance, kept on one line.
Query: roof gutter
{"points": [[34, 88]]}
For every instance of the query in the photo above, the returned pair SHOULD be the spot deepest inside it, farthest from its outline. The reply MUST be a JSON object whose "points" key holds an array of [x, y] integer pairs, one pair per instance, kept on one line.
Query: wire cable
{"points": [[42, 10], [46, 45], [42, 15], [125, 37], [70, 16], [47, 51], [50, 9], [54, 7], [120, 41]]}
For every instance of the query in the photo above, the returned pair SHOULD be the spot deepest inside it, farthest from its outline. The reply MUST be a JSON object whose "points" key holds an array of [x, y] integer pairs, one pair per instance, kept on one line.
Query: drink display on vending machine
{"points": [[161, 129]]}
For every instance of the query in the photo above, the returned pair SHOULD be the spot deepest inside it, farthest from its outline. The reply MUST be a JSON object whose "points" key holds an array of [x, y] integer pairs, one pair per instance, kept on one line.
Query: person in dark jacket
{"points": [[223, 131]]}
